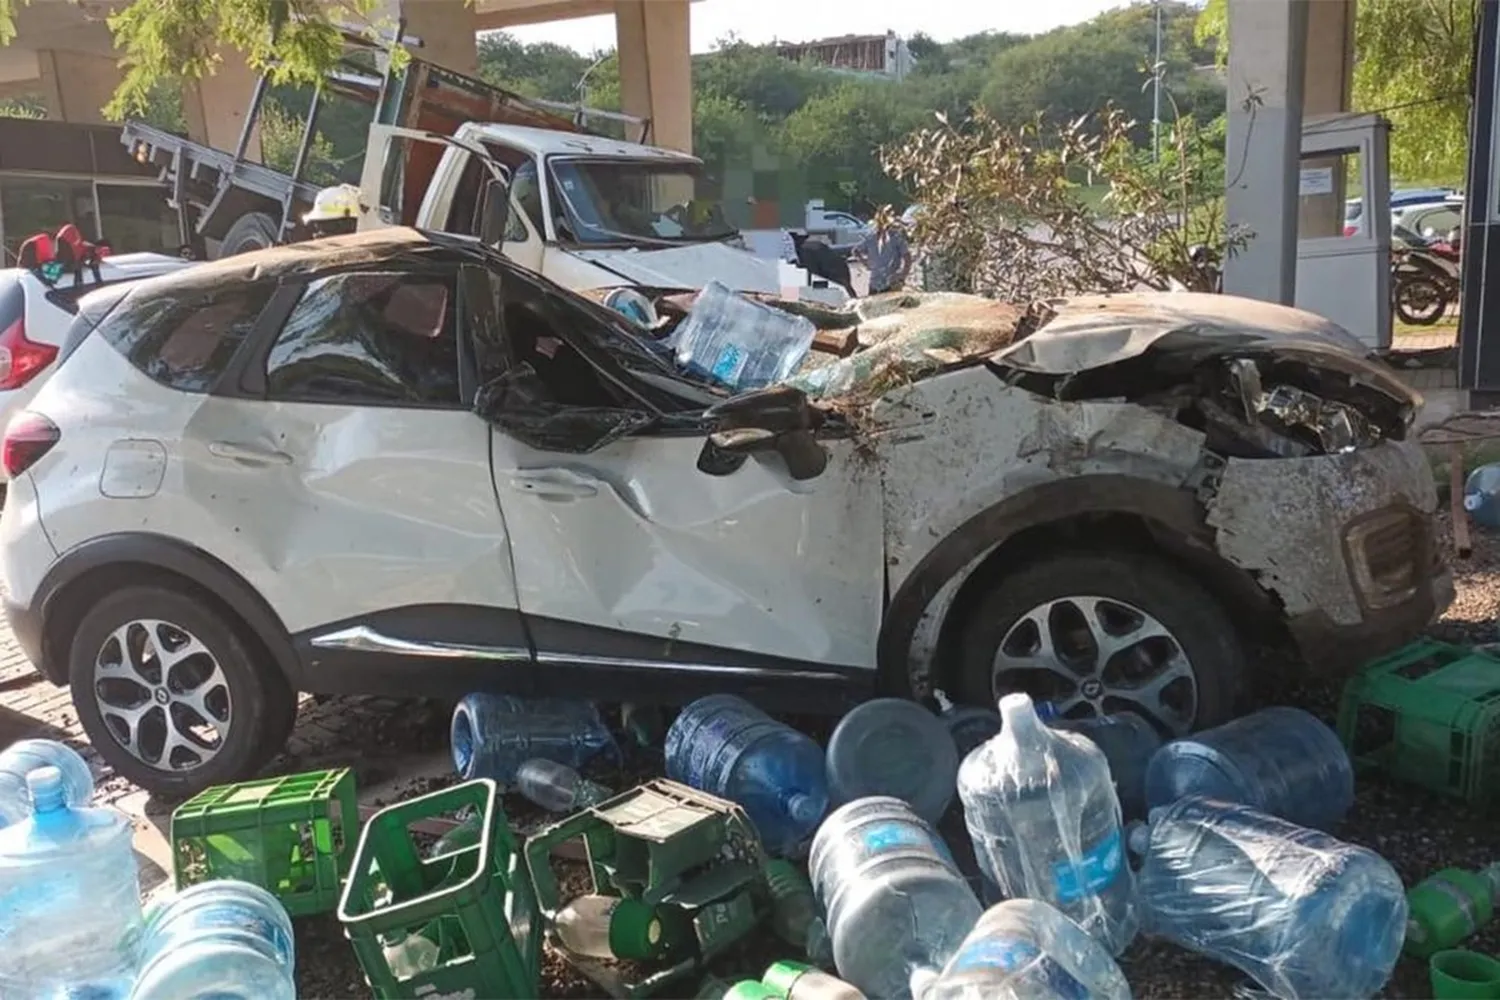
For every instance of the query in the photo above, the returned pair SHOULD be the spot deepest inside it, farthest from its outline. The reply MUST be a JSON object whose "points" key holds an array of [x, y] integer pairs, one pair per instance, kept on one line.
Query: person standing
{"points": [[888, 256]]}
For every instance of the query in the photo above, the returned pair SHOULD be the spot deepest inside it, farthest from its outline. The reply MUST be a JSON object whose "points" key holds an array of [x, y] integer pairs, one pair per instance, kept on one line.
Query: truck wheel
{"points": [[1098, 633], [251, 231]]}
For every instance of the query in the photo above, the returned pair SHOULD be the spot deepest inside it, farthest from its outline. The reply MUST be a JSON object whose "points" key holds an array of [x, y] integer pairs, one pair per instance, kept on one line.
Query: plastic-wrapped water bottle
{"points": [[727, 747], [1482, 496], [796, 981], [24, 756], [70, 906], [492, 734], [1282, 761], [1042, 812], [969, 725], [740, 343], [1128, 742], [1024, 949], [896, 904], [1448, 906], [895, 747], [1304, 915], [557, 787], [225, 939]]}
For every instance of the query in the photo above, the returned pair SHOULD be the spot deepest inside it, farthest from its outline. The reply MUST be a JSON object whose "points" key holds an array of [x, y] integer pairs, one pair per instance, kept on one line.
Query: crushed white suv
{"points": [[398, 463], [34, 316]]}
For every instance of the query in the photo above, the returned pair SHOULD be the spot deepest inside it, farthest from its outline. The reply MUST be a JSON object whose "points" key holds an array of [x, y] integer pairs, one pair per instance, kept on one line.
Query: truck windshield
{"points": [[633, 201]]}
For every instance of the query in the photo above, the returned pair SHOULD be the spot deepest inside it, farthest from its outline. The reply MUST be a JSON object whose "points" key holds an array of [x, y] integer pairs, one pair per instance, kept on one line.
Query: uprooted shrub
{"points": [[1003, 212]]}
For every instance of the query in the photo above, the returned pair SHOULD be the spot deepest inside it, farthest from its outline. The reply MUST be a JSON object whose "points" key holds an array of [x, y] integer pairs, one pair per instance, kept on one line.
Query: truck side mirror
{"points": [[494, 216]]}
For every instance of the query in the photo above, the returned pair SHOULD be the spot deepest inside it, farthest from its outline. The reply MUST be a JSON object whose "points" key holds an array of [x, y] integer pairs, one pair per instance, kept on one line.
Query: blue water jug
{"points": [[895, 747], [24, 756], [897, 907], [1482, 496], [1128, 741], [1301, 913], [491, 734], [1041, 809], [70, 909], [727, 747], [1024, 948], [224, 940], [1282, 761]]}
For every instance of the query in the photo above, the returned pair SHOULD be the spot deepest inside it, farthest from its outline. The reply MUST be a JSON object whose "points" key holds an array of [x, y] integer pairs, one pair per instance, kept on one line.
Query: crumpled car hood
{"points": [[1097, 330], [1090, 334], [690, 267]]}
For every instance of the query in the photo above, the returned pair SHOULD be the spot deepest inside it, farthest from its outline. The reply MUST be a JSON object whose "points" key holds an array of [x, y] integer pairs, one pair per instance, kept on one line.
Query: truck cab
{"points": [[586, 211]]}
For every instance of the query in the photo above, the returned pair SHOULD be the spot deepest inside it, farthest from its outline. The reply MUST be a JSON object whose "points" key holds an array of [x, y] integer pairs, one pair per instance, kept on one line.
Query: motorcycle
{"points": [[1424, 284]]}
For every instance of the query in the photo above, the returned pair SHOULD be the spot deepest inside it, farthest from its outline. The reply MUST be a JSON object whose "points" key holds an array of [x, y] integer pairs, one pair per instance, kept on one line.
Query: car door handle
{"points": [[556, 484], [249, 454]]}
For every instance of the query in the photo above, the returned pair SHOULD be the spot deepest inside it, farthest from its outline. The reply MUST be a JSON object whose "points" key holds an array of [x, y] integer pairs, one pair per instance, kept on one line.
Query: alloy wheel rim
{"points": [[162, 694], [1094, 656]]}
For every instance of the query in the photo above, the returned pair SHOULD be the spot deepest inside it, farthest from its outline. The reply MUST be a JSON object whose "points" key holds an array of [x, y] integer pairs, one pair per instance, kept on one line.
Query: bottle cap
{"points": [[783, 976], [634, 930], [45, 786], [752, 990]]}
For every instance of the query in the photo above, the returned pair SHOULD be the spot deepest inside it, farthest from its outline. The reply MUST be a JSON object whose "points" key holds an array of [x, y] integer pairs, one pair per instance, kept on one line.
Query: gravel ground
{"points": [[1419, 833]]}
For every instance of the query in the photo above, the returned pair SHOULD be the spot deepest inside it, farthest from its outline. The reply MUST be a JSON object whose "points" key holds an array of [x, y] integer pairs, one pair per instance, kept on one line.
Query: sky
{"points": [[759, 21]]}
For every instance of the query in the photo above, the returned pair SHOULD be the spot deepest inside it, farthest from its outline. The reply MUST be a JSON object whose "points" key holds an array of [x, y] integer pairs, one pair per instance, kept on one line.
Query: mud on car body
{"points": [[397, 463]]}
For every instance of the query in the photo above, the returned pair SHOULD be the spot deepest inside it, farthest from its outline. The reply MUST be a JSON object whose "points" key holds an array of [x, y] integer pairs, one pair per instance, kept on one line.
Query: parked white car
{"points": [[400, 463], [34, 317]]}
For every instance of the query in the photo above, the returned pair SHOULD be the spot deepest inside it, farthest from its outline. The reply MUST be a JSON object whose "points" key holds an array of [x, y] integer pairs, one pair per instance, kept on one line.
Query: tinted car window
{"points": [[369, 337], [12, 301], [185, 340], [90, 311]]}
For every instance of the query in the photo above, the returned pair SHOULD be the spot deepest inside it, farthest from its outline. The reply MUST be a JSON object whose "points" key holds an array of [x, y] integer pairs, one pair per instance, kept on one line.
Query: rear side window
{"points": [[185, 340], [12, 302], [370, 337], [91, 311]]}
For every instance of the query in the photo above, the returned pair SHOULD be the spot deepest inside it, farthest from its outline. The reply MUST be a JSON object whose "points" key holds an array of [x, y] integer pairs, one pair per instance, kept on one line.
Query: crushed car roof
{"points": [[313, 256]]}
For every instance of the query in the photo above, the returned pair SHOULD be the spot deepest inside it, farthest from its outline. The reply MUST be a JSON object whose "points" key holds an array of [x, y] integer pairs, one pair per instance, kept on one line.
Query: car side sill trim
{"points": [[363, 639], [628, 663]]}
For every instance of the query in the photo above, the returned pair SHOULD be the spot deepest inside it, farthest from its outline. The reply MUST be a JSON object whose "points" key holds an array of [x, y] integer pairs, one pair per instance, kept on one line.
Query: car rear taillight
{"points": [[21, 360], [28, 437]]}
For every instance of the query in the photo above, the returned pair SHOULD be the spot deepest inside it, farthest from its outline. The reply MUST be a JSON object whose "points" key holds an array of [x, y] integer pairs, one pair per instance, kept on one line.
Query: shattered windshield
{"points": [[605, 202]]}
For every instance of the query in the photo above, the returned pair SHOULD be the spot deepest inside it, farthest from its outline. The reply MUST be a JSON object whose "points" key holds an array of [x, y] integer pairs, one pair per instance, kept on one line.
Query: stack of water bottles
{"points": [[70, 907]]}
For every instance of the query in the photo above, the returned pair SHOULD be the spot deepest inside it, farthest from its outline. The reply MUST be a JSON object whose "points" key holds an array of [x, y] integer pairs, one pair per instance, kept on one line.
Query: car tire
{"points": [[251, 231], [211, 669], [1126, 594]]}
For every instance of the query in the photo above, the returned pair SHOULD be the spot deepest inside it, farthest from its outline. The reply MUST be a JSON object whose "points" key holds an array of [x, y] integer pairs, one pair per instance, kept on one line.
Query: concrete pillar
{"points": [[656, 68], [1328, 85], [76, 85], [446, 28], [1268, 39], [215, 107]]}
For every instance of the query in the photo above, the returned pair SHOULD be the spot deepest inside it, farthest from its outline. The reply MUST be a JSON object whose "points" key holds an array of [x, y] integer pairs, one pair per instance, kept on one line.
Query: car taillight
{"points": [[21, 360], [28, 437]]}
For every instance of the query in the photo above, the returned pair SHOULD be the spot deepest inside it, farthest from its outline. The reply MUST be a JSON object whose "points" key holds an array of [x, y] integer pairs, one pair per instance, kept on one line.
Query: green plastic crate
{"points": [[293, 836], [1428, 714], [473, 904]]}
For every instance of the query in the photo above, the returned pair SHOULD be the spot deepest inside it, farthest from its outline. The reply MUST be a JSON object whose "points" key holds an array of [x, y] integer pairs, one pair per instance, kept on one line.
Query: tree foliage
{"points": [[1003, 212], [1412, 60]]}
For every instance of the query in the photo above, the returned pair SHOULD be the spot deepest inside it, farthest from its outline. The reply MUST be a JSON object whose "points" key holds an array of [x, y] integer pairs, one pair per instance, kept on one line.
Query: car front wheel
{"points": [[169, 693], [1100, 633]]}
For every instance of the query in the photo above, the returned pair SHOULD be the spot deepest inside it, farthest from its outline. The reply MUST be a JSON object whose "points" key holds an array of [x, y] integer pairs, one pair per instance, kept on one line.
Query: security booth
{"points": [[1344, 271]]}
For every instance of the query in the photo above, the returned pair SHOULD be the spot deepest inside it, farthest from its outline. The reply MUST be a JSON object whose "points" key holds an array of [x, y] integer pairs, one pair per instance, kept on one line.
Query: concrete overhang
{"points": [[490, 15]]}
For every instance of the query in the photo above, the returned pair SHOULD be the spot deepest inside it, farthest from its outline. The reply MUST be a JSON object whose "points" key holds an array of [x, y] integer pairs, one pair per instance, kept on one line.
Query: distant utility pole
{"points": [[1156, 71]]}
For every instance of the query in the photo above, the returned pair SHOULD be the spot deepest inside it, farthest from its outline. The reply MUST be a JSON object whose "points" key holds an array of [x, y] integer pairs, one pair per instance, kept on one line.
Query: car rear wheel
{"points": [[170, 693], [1100, 633]]}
